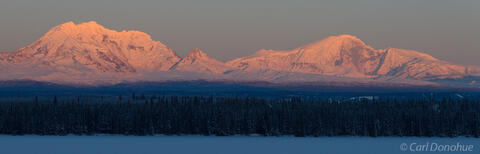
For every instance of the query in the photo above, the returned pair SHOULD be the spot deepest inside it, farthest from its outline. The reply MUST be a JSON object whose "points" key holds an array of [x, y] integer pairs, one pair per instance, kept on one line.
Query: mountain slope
{"points": [[402, 63]]}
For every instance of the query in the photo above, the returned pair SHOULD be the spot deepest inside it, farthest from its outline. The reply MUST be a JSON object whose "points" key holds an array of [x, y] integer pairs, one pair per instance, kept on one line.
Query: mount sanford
{"points": [[89, 54]]}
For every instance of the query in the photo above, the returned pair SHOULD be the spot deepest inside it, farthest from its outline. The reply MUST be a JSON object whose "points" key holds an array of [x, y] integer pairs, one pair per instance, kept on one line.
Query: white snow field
{"points": [[228, 145]]}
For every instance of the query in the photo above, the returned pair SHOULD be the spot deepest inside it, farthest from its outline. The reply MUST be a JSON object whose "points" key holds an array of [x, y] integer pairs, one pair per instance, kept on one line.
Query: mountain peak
{"points": [[196, 53], [91, 23], [72, 29], [67, 24], [72, 25], [65, 27], [200, 62], [92, 31], [336, 41], [347, 36]]}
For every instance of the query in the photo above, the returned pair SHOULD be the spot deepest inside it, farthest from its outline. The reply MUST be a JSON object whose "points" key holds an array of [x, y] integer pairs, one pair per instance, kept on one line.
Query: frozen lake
{"points": [[224, 145]]}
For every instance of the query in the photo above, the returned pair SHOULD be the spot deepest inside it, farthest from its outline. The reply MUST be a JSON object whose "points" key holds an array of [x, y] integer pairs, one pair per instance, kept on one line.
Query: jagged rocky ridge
{"points": [[88, 53]]}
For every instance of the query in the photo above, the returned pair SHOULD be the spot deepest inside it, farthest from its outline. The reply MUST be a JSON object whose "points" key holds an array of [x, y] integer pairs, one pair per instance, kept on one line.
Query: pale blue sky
{"points": [[226, 29]]}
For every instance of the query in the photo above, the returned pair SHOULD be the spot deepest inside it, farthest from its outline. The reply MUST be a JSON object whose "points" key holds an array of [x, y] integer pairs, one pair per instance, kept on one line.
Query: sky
{"points": [[227, 29]]}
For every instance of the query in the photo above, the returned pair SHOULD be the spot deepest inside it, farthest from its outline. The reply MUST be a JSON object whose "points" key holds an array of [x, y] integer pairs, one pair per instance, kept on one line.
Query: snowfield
{"points": [[223, 145]]}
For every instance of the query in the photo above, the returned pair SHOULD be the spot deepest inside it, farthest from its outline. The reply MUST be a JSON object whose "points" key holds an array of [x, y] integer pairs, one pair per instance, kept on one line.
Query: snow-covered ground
{"points": [[219, 145]]}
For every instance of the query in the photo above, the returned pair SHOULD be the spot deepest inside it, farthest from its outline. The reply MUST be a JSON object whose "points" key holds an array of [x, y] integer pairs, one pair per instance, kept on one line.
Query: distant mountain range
{"points": [[89, 54]]}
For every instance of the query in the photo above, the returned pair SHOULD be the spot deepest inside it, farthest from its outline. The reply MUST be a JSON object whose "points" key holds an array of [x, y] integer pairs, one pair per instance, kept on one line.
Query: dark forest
{"points": [[225, 116]]}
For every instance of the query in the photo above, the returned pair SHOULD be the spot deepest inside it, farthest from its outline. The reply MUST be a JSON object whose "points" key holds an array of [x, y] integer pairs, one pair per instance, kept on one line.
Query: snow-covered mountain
{"points": [[348, 56], [198, 61], [343, 56], [88, 53]]}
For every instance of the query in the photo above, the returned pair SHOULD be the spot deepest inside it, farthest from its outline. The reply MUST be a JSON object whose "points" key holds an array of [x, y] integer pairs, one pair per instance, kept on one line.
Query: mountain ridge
{"points": [[199, 61], [88, 53]]}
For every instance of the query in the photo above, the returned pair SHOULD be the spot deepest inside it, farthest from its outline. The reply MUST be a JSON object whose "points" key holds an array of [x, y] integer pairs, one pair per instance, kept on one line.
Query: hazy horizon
{"points": [[226, 30]]}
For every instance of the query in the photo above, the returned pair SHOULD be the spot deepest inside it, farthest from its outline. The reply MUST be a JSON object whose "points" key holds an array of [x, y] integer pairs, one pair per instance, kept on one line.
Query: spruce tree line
{"points": [[224, 116]]}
